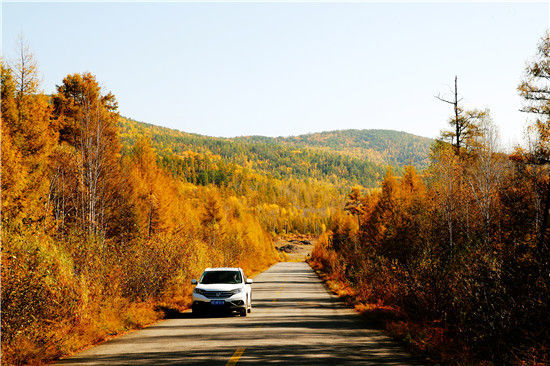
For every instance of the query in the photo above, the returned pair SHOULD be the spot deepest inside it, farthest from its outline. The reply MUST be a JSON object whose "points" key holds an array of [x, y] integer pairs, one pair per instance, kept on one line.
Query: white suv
{"points": [[222, 289]]}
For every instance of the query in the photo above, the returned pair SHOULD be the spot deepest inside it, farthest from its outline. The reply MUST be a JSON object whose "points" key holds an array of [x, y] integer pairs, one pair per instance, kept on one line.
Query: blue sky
{"points": [[228, 69]]}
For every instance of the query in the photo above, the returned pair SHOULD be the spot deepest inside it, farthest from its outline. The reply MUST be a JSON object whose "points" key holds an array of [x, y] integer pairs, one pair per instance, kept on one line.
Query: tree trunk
{"points": [[543, 244], [456, 118]]}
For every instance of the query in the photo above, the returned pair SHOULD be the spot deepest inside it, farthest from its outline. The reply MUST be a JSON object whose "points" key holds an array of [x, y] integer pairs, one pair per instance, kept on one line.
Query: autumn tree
{"points": [[464, 123], [354, 204], [26, 76], [445, 180], [485, 175], [212, 218], [412, 215], [87, 121], [28, 136], [387, 205], [535, 91], [149, 189], [464, 135], [14, 173]]}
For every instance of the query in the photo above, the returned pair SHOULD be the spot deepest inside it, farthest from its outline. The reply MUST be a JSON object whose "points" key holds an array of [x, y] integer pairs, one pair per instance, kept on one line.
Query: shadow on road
{"points": [[170, 313], [268, 355]]}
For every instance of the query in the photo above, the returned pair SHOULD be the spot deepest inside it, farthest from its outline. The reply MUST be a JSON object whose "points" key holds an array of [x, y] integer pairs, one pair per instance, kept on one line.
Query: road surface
{"points": [[294, 321]]}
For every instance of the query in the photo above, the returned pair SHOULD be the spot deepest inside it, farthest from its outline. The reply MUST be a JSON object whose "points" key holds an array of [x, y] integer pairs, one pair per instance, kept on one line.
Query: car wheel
{"points": [[243, 312], [195, 311]]}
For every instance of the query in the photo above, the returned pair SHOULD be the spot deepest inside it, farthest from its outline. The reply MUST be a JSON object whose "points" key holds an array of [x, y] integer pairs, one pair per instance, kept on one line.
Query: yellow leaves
{"points": [[27, 143], [152, 191], [411, 181], [213, 213], [143, 155], [14, 177]]}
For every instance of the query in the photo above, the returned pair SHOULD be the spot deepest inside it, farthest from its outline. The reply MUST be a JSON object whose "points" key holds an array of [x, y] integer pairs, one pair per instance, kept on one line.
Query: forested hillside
{"points": [[265, 155], [270, 179], [383, 147], [292, 186]]}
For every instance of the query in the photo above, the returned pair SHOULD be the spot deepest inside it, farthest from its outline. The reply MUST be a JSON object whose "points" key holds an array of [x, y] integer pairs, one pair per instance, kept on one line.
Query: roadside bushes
{"points": [[39, 296], [452, 251]]}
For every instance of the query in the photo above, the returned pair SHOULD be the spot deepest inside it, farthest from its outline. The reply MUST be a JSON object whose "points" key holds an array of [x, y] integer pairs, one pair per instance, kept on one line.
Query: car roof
{"points": [[223, 269]]}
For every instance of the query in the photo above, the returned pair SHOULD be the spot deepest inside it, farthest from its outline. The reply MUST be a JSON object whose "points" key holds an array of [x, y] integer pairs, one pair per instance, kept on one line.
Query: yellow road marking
{"points": [[275, 298], [233, 360]]}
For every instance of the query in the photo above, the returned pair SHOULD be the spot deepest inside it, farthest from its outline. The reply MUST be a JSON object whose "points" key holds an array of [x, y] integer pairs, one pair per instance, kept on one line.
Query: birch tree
{"points": [[88, 122], [535, 91], [485, 175]]}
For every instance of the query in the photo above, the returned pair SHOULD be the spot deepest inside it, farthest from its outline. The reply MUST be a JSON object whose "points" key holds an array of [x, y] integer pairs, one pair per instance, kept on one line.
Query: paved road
{"points": [[294, 321]]}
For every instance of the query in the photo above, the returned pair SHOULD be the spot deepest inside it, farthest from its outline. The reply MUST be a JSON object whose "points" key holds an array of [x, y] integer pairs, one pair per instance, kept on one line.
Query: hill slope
{"points": [[385, 147], [340, 157]]}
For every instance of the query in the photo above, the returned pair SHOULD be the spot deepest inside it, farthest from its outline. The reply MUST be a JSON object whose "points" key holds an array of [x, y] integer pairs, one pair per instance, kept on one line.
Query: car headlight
{"points": [[237, 290], [198, 291]]}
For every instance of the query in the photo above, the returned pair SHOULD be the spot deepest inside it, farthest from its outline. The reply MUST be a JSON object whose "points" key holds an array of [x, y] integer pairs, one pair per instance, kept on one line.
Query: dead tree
{"points": [[457, 111], [465, 123]]}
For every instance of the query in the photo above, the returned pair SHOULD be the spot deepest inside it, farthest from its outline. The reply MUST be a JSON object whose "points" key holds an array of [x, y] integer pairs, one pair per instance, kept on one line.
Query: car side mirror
{"points": [[193, 282], [249, 281]]}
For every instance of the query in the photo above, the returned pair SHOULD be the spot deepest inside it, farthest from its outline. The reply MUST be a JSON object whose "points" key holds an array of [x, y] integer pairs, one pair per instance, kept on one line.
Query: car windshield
{"points": [[231, 277]]}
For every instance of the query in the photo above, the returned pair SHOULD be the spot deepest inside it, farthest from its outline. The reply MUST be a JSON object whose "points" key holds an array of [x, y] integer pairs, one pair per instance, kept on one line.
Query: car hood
{"points": [[220, 286]]}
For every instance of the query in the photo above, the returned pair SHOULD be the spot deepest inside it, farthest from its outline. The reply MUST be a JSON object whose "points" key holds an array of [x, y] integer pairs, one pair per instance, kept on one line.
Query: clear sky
{"points": [[278, 69]]}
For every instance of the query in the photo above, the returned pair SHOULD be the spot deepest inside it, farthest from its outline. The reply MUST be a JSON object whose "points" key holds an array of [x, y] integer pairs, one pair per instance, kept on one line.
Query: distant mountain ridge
{"points": [[385, 147], [343, 157]]}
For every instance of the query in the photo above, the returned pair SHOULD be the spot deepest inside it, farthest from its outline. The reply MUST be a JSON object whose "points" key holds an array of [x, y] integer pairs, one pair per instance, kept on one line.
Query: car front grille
{"points": [[217, 294]]}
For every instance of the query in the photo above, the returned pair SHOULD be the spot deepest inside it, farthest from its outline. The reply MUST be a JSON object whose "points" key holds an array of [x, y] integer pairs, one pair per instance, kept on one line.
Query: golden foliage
{"points": [[95, 243]]}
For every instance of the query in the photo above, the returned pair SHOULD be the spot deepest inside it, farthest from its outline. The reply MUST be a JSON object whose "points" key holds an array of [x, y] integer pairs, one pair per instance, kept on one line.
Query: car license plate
{"points": [[218, 302]]}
